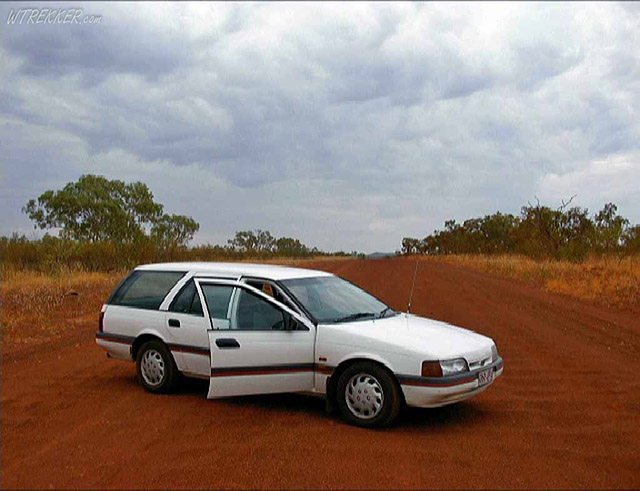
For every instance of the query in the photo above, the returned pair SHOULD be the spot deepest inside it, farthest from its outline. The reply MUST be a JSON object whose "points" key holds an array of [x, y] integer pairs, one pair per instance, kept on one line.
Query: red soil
{"points": [[564, 414]]}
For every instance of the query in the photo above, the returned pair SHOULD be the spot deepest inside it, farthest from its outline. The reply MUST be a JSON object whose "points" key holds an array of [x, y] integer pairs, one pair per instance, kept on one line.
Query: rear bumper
{"points": [[434, 392], [116, 346]]}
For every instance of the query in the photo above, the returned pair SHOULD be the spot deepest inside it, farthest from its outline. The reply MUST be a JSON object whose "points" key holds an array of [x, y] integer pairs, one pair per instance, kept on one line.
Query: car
{"points": [[262, 329]]}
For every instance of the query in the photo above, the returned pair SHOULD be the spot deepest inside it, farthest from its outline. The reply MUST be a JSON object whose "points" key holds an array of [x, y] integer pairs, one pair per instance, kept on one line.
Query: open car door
{"points": [[257, 344]]}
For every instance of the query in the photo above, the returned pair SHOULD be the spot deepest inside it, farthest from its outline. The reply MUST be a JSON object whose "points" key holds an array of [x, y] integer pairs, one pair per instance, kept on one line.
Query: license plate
{"points": [[485, 377]]}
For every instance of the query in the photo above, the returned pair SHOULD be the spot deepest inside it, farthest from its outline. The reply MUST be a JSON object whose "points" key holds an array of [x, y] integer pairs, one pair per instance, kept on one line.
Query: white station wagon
{"points": [[259, 329]]}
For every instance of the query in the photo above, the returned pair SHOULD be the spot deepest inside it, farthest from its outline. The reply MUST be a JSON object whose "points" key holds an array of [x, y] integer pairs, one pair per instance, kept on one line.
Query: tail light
{"points": [[431, 369], [101, 322]]}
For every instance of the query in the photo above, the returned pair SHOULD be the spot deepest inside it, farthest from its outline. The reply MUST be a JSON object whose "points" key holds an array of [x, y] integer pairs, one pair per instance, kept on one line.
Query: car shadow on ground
{"points": [[466, 413], [270, 402]]}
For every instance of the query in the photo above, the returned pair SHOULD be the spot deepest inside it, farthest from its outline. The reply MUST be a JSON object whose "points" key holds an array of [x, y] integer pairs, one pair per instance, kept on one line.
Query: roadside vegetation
{"points": [[38, 308], [604, 280], [540, 232], [58, 256]]}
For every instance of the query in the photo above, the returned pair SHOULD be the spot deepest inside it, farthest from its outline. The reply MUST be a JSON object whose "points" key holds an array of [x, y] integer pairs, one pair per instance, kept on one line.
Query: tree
{"points": [[610, 228], [289, 247], [253, 242], [171, 231], [98, 209], [631, 240], [410, 246], [557, 233]]}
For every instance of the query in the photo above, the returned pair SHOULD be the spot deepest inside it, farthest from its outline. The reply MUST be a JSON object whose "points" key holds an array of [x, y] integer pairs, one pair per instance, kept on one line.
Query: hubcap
{"points": [[364, 396], [152, 367]]}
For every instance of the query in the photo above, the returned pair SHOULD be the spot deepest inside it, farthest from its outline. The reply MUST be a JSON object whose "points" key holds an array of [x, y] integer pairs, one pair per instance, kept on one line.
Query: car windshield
{"points": [[330, 299]]}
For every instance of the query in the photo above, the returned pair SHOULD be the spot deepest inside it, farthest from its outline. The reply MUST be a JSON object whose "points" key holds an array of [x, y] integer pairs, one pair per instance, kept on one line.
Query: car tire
{"points": [[367, 395], [157, 372]]}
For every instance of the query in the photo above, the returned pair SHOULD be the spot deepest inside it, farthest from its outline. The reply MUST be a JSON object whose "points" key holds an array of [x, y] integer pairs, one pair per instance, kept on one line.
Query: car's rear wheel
{"points": [[368, 395], [157, 372]]}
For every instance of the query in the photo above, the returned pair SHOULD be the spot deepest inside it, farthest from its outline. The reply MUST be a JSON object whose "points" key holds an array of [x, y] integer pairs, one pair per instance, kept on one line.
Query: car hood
{"points": [[410, 333]]}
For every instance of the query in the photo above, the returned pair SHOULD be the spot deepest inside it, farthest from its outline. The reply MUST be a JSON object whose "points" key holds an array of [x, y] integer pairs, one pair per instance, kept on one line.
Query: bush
{"points": [[539, 232], [54, 255]]}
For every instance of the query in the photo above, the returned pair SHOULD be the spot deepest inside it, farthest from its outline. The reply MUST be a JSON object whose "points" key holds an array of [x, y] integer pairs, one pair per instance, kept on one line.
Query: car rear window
{"points": [[146, 289]]}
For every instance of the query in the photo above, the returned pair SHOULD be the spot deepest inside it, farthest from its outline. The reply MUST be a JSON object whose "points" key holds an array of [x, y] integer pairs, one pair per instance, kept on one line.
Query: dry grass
{"points": [[607, 281], [38, 308], [293, 261]]}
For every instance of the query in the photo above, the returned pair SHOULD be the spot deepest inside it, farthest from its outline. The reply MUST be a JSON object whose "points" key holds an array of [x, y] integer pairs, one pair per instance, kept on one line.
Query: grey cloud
{"points": [[96, 51], [536, 63], [385, 119]]}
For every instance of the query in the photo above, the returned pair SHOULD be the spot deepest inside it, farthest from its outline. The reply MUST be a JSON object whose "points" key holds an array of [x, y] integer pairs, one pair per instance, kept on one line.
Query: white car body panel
{"points": [[407, 333], [275, 361], [115, 349], [191, 343], [237, 270], [298, 360]]}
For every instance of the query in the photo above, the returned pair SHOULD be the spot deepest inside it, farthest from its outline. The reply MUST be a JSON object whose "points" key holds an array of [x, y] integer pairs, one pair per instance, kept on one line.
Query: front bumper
{"points": [[440, 391]]}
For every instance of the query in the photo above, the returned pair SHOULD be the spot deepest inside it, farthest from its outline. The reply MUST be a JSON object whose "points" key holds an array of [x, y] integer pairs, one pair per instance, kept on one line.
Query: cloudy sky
{"points": [[348, 126]]}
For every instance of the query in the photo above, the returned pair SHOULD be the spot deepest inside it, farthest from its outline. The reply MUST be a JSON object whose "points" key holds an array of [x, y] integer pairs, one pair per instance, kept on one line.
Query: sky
{"points": [[348, 126]]}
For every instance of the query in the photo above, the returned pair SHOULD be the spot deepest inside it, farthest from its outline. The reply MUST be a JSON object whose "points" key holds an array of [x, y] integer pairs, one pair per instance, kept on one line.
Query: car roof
{"points": [[268, 271]]}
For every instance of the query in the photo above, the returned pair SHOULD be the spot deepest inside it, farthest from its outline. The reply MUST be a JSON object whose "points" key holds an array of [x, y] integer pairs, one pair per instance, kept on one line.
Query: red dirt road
{"points": [[565, 414]]}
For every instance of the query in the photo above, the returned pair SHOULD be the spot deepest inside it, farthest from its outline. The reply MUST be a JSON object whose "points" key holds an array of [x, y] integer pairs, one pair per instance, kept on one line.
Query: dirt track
{"points": [[564, 415]]}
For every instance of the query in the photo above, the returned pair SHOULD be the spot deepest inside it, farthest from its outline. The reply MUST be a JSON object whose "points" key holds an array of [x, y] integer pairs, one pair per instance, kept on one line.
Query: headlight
{"points": [[451, 367], [494, 353]]}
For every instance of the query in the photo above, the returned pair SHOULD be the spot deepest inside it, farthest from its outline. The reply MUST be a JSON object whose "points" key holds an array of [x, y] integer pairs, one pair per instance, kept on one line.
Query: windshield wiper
{"points": [[352, 317], [384, 311]]}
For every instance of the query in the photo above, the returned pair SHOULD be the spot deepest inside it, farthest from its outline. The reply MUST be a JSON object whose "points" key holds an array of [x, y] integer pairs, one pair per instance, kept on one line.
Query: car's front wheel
{"points": [[157, 371], [367, 395]]}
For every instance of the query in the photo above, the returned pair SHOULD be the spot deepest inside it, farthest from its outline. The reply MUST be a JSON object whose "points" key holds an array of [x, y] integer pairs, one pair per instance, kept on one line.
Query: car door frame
{"points": [[284, 292], [183, 348], [236, 375], [189, 337]]}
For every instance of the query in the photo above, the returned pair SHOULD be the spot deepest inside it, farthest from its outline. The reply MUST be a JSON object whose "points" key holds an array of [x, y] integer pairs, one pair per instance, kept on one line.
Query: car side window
{"points": [[273, 291], [196, 305], [217, 298], [254, 313], [146, 289], [187, 301]]}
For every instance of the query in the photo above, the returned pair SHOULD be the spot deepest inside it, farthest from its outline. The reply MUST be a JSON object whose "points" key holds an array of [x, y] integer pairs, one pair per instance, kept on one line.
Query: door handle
{"points": [[227, 343], [174, 323]]}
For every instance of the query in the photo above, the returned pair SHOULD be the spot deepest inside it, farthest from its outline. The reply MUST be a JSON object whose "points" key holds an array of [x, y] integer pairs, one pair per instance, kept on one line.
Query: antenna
{"points": [[415, 274]]}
